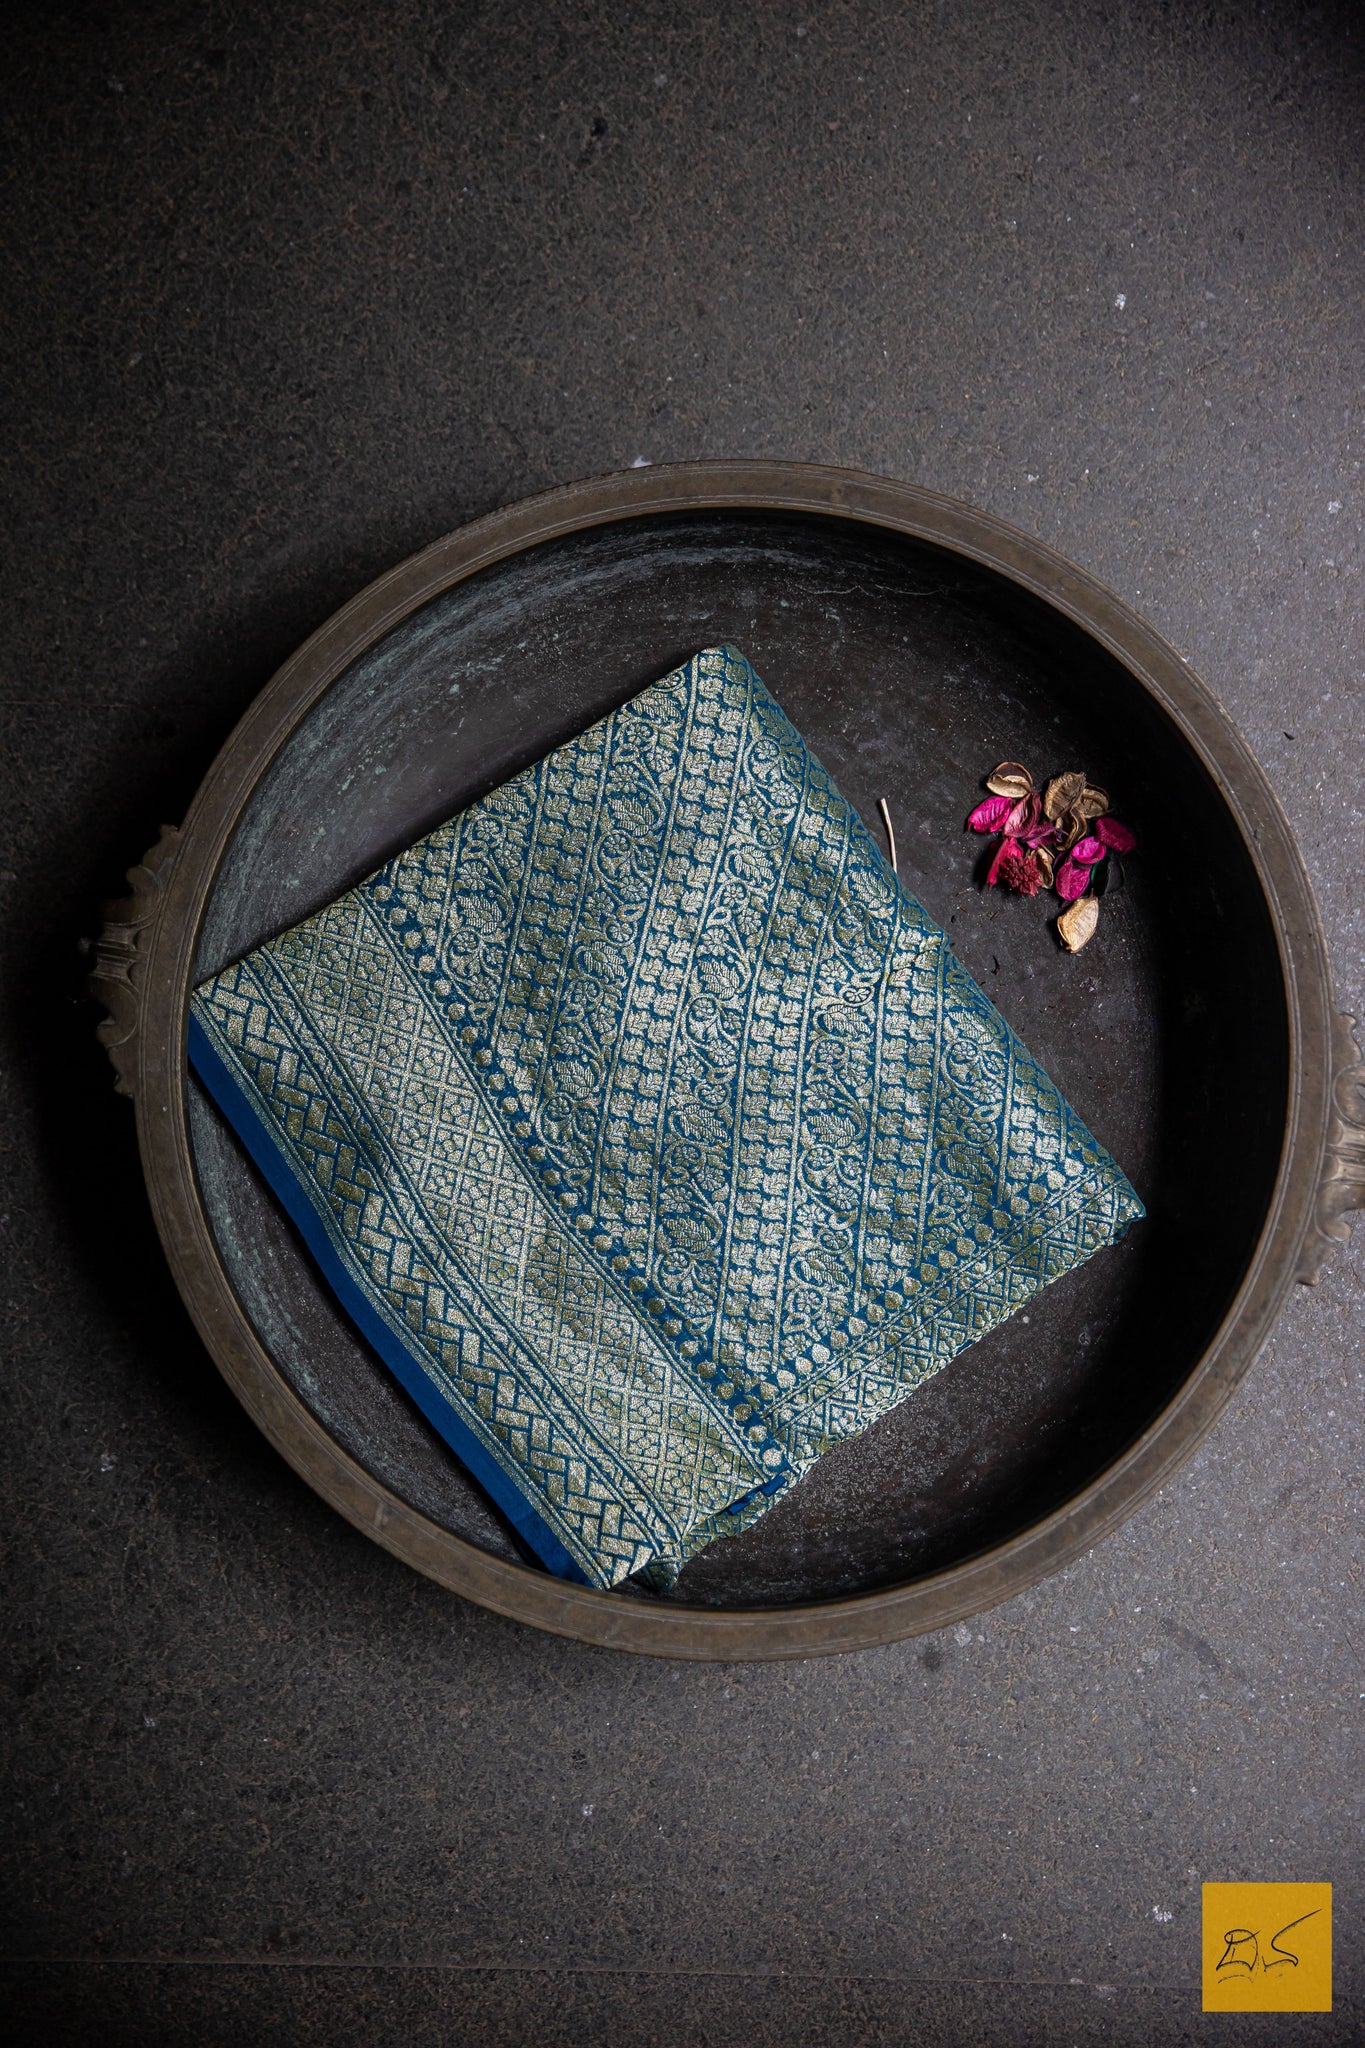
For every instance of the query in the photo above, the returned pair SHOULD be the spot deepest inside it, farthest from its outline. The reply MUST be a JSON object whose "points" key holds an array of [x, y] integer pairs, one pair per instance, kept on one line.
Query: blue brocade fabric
{"points": [[649, 1130]]}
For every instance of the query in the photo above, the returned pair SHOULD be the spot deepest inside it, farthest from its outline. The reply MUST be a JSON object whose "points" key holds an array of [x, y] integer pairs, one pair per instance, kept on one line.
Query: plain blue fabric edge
{"points": [[256, 1136]]}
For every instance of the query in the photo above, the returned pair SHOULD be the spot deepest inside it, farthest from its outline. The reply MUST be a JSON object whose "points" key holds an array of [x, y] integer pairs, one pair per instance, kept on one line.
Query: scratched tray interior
{"points": [[909, 671]]}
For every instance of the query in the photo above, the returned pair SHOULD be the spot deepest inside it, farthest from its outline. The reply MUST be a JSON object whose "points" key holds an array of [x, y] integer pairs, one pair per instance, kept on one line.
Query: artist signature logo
{"points": [[1267, 1948], [1243, 1955]]}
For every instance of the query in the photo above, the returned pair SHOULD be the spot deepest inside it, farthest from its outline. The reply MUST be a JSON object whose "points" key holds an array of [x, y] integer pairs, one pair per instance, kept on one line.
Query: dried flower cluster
{"points": [[1057, 838]]}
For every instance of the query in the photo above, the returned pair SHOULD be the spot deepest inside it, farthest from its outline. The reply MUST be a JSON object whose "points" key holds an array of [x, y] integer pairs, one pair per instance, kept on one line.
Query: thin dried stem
{"points": [[890, 835]]}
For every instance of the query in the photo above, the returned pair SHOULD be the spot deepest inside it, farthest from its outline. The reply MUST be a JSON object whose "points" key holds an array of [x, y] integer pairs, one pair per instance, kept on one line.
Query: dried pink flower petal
{"points": [[990, 815], [1114, 835], [1022, 816], [1073, 879], [998, 859], [1041, 834], [1058, 837]]}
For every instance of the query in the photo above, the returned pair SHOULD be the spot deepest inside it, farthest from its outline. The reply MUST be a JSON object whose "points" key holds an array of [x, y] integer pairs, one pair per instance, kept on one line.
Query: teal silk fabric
{"points": [[649, 1129]]}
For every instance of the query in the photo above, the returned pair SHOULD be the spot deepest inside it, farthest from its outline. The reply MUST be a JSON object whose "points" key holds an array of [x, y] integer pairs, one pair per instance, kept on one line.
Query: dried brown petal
{"points": [[1092, 802], [1010, 780], [1061, 793], [1044, 860], [1076, 926], [1070, 826]]}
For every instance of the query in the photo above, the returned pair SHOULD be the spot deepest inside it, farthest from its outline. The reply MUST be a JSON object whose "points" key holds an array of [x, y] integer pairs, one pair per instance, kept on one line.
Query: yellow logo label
{"points": [[1267, 1948]]}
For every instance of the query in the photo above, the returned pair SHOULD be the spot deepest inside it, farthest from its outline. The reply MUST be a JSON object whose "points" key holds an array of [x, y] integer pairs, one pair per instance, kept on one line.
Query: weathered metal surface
{"points": [[120, 956], [914, 643], [1341, 1188]]}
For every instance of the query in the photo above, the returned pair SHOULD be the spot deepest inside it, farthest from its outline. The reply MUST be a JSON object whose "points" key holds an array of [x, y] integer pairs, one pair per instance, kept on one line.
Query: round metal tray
{"points": [[914, 642]]}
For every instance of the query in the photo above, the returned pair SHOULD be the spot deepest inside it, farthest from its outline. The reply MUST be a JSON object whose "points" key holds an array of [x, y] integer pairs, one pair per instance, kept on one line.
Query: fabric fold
{"points": [[649, 1130]]}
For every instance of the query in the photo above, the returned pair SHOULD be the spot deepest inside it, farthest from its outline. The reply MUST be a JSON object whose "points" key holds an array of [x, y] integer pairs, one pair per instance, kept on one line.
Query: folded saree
{"points": [[649, 1130]]}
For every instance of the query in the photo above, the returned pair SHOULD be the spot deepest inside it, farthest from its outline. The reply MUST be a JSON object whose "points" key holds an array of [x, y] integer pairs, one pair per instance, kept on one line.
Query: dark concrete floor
{"points": [[292, 291]]}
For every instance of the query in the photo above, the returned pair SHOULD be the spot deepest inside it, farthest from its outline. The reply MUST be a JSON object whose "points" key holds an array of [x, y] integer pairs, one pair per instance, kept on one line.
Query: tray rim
{"points": [[153, 1064]]}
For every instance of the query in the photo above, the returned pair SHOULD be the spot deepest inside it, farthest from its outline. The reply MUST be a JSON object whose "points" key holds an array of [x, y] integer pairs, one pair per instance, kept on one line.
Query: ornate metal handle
{"points": [[1343, 1179], [121, 956]]}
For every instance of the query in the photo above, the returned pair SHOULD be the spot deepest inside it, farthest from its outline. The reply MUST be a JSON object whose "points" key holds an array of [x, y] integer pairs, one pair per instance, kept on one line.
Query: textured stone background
{"points": [[292, 291]]}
